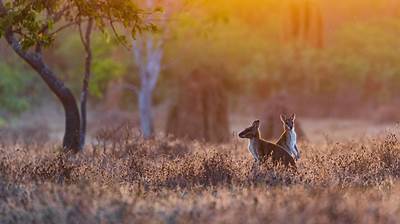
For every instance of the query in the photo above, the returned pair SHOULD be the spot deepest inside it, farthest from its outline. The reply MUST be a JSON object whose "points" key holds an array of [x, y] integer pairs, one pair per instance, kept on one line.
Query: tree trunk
{"points": [[201, 109], [86, 79], [71, 139], [148, 54], [145, 111]]}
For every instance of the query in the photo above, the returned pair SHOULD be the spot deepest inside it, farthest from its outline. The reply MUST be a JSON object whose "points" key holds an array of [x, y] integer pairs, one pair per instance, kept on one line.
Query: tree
{"points": [[201, 109], [148, 52], [305, 23], [86, 78], [29, 26]]}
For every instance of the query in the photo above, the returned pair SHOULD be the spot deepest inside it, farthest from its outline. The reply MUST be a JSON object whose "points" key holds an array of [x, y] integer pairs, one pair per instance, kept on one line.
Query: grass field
{"points": [[127, 180]]}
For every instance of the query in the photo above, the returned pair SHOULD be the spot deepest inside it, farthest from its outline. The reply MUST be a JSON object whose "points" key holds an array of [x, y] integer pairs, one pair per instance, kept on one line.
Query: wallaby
{"points": [[288, 139], [261, 149]]}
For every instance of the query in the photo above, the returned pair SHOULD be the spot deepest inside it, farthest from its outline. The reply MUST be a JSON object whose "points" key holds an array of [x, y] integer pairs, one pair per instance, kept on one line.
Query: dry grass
{"points": [[123, 179]]}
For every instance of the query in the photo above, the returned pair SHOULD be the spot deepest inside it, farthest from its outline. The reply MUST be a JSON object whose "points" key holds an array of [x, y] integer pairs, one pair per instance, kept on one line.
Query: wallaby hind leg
{"points": [[254, 168]]}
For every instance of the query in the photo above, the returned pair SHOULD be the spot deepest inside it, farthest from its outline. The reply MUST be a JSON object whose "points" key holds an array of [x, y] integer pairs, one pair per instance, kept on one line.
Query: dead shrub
{"points": [[26, 136]]}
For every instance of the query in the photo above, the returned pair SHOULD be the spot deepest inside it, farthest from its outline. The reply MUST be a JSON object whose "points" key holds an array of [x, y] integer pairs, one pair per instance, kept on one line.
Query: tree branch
{"points": [[116, 34], [81, 36], [62, 28], [55, 17]]}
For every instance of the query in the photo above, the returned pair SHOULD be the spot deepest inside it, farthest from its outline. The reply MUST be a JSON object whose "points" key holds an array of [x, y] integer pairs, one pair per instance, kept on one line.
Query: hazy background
{"points": [[334, 63]]}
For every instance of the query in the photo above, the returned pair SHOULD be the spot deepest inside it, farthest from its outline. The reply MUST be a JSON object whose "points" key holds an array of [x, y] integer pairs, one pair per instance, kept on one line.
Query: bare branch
{"points": [[62, 28], [81, 35], [55, 17], [116, 34], [58, 15]]}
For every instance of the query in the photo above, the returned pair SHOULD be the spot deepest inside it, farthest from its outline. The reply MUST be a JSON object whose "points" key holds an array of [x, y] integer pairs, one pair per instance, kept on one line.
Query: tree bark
{"points": [[71, 139], [145, 111], [148, 54], [86, 79]]}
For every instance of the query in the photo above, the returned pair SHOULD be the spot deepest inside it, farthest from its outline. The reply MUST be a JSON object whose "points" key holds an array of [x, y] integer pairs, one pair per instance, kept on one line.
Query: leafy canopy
{"points": [[36, 22]]}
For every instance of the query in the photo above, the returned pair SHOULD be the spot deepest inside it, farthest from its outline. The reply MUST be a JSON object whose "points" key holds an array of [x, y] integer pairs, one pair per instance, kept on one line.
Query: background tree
{"points": [[29, 26], [148, 50], [201, 109], [305, 25]]}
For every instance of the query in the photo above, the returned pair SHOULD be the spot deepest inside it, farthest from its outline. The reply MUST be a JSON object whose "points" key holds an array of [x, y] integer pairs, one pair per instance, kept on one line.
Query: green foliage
{"points": [[35, 24], [104, 70], [23, 18], [105, 67], [33, 21], [13, 89]]}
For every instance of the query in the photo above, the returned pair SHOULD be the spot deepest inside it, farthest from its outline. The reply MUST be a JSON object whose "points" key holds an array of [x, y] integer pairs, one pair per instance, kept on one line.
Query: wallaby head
{"points": [[252, 131], [288, 121]]}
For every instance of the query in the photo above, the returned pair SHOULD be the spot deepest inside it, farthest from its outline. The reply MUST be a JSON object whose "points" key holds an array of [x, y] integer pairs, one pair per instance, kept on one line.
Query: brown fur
{"points": [[262, 149], [277, 153]]}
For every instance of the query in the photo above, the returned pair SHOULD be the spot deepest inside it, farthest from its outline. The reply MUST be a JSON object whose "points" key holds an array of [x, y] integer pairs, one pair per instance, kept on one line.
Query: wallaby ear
{"points": [[293, 117], [256, 123], [283, 118]]}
